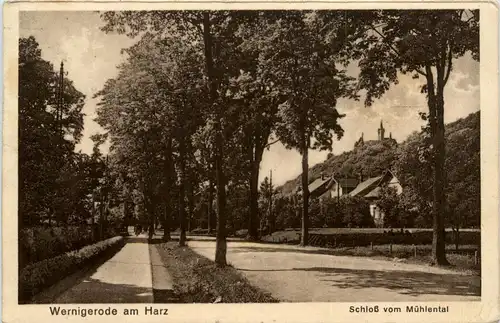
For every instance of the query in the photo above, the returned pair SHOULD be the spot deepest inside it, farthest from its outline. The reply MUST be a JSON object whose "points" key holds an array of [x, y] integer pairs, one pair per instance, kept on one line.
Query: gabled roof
{"points": [[371, 187], [347, 182], [366, 186], [317, 186], [326, 194], [318, 183], [374, 193]]}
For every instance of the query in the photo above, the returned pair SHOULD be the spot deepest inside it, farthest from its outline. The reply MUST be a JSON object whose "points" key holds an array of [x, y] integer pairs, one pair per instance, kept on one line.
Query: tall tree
{"points": [[267, 191], [50, 125], [305, 69], [425, 44], [213, 30], [259, 105], [164, 110]]}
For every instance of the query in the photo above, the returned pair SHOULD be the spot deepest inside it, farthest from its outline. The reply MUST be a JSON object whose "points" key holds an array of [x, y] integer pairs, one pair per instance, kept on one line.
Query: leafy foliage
{"points": [[423, 43], [462, 173], [368, 160], [413, 206], [52, 184]]}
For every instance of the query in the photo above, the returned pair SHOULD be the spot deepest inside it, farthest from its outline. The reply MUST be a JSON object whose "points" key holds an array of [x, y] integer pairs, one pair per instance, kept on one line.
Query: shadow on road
{"points": [[92, 291], [290, 249], [405, 282], [50, 294]]}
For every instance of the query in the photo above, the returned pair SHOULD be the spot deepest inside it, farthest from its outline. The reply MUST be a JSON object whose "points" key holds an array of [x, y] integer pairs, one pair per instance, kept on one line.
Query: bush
{"points": [[35, 277], [359, 239], [198, 280], [39, 243], [241, 233], [352, 212]]}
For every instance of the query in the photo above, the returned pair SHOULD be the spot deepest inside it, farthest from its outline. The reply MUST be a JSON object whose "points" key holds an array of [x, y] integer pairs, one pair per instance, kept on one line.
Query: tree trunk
{"points": [[182, 196], [221, 244], [305, 195], [190, 207], [101, 216], [93, 217], [272, 219], [169, 183], [149, 208], [438, 243], [151, 230], [210, 205], [436, 120], [166, 221], [253, 218]]}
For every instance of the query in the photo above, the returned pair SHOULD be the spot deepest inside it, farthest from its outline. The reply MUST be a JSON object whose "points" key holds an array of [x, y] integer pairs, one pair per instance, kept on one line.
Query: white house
{"points": [[370, 189]]}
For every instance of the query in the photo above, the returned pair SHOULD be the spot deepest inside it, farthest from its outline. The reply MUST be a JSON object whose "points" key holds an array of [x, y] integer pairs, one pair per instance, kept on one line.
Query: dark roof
{"points": [[371, 187], [317, 186], [374, 193], [325, 194], [366, 186], [319, 183], [347, 182]]}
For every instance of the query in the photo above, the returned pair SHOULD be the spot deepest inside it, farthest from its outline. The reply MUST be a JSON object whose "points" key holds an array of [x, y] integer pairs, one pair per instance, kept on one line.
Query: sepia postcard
{"points": [[248, 161]]}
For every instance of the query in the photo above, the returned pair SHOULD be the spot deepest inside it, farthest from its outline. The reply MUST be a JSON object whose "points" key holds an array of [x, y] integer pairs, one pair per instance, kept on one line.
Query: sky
{"points": [[91, 57]]}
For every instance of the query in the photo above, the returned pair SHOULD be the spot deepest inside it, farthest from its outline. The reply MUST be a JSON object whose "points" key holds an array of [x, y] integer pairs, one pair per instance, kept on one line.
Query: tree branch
{"points": [[448, 71], [392, 47], [271, 143]]}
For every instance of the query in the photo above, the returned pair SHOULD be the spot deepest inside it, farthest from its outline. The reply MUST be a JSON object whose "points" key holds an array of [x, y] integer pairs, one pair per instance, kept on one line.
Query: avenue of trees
{"points": [[203, 94]]}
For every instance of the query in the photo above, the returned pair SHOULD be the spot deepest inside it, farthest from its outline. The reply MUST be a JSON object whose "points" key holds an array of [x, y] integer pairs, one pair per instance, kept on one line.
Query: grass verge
{"points": [[198, 280]]}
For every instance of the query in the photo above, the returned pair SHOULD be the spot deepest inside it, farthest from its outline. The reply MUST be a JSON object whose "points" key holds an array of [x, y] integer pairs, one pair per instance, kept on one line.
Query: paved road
{"points": [[296, 274], [136, 274]]}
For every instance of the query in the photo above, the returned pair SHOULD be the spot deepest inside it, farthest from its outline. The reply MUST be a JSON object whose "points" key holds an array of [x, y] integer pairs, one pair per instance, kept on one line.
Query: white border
{"points": [[485, 311]]}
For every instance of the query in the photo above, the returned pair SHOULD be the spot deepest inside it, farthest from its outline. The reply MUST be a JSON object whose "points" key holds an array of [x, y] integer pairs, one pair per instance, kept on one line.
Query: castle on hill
{"points": [[381, 137]]}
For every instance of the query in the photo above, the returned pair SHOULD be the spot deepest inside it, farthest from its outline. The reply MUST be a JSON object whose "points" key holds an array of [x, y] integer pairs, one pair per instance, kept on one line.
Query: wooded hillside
{"points": [[373, 157]]}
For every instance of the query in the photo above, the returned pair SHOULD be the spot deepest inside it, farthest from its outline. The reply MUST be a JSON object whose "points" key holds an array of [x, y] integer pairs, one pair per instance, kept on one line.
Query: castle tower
{"points": [[360, 141], [381, 131]]}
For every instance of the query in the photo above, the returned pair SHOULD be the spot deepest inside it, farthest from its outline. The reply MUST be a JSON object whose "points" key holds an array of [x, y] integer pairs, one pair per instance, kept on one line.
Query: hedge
{"points": [[35, 277], [39, 243], [359, 239]]}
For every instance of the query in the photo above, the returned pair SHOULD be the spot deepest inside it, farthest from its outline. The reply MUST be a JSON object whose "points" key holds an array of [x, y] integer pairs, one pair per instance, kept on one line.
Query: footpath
{"points": [[127, 277]]}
